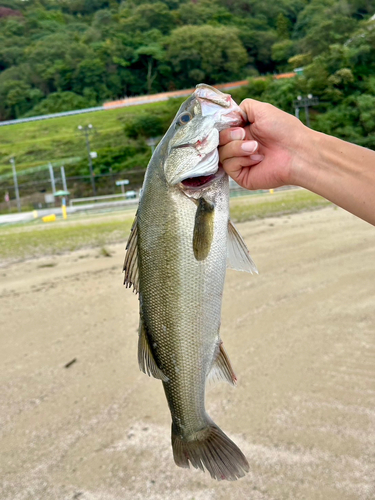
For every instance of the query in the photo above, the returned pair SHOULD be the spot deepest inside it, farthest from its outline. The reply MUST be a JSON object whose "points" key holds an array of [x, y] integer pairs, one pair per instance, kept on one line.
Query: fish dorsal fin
{"points": [[146, 360], [238, 256], [222, 368], [131, 259]]}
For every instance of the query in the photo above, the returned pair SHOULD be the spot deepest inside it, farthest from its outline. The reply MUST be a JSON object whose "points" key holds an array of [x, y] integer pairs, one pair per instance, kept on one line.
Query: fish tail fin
{"points": [[210, 449]]}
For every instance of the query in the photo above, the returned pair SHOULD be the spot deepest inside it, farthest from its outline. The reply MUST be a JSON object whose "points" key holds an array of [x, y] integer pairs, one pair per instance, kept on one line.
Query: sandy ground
{"points": [[300, 337]]}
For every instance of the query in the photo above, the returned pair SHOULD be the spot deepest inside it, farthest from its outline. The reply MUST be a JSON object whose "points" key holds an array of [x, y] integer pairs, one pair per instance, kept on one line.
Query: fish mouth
{"points": [[198, 182], [206, 167], [201, 181]]}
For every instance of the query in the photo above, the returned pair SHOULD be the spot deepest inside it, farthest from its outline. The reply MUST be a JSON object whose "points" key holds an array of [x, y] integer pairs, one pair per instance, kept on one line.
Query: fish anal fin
{"points": [[212, 450], [146, 360], [222, 368], [130, 268], [238, 256]]}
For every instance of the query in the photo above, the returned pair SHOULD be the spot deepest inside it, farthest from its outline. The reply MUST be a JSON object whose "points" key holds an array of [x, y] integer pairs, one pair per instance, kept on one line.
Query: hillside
{"points": [[75, 54], [57, 56]]}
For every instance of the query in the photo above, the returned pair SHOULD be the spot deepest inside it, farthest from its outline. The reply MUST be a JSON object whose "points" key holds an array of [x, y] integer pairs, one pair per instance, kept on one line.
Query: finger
{"points": [[250, 106], [237, 149], [247, 173], [232, 134], [236, 167]]}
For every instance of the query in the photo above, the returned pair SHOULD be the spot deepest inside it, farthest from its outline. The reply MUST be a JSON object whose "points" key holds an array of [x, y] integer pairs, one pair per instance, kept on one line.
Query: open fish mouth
{"points": [[205, 172], [198, 182], [202, 181]]}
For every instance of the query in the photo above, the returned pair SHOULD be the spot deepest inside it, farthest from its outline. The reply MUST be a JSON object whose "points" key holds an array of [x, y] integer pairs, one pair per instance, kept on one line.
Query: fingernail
{"points": [[257, 157], [238, 134], [249, 146]]}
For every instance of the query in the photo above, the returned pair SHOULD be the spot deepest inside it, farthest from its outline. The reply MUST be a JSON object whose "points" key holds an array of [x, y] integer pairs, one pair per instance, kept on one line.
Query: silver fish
{"points": [[180, 244]]}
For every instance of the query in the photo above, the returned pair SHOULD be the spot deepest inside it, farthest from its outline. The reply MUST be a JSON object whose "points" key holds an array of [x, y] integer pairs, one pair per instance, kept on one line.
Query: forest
{"points": [[60, 55]]}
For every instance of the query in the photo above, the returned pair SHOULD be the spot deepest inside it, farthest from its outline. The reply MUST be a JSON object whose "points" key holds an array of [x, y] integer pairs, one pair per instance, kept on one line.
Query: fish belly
{"points": [[181, 304]]}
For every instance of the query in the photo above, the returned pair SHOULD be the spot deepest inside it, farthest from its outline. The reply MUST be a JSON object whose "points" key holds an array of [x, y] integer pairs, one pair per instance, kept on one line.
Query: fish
{"points": [[181, 242]]}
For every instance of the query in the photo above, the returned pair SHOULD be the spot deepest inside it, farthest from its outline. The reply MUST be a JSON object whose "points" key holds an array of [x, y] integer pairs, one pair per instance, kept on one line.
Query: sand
{"points": [[300, 337]]}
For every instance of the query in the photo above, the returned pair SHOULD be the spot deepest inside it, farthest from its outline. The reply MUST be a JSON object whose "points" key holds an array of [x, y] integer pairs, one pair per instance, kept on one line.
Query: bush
{"points": [[144, 125], [58, 102]]}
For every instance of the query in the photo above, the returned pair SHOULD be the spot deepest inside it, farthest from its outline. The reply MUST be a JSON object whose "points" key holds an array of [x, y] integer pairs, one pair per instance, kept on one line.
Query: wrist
{"points": [[304, 161], [341, 172]]}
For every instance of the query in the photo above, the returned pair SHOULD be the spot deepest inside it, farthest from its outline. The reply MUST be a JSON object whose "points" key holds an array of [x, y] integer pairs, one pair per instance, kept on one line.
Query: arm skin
{"points": [[282, 151]]}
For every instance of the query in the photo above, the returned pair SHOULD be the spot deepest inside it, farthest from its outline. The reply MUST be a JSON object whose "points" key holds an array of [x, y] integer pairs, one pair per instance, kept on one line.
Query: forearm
{"points": [[339, 171]]}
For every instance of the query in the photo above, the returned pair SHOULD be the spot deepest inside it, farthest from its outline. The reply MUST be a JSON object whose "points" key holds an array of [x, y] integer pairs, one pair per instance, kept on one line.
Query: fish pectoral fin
{"points": [[146, 360], [131, 259], [222, 368], [238, 256], [203, 229]]}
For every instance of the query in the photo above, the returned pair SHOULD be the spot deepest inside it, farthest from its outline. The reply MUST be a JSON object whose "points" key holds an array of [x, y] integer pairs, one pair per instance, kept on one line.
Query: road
{"points": [[84, 207]]}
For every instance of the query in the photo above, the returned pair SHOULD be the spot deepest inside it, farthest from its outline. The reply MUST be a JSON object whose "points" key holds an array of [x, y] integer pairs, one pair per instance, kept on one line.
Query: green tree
{"points": [[60, 101], [282, 51], [203, 12], [366, 107], [151, 54], [90, 73], [259, 48], [144, 125], [16, 97], [117, 158], [336, 29], [283, 26], [54, 59], [205, 53], [148, 16]]}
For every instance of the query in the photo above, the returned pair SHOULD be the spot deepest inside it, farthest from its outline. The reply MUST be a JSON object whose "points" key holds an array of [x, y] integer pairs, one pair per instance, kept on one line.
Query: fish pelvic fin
{"points": [[146, 360], [238, 256], [212, 450], [222, 368], [203, 229], [131, 259]]}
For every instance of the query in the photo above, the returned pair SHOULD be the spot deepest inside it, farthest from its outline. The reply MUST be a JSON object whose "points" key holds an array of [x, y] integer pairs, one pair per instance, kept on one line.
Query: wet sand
{"points": [[301, 340]]}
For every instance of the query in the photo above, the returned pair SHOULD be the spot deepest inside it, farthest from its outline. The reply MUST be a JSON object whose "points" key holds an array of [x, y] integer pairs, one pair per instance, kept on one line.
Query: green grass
{"points": [[42, 239], [36, 143], [38, 239], [278, 203]]}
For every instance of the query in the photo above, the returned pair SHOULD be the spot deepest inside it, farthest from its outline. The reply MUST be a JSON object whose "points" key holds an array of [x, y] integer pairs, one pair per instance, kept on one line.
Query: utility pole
{"points": [[86, 131], [63, 178], [152, 141], [305, 102], [52, 177], [13, 162]]}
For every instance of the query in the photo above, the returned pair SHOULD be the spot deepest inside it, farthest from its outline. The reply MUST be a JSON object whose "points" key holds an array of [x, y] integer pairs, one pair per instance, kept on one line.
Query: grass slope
{"points": [[36, 143]]}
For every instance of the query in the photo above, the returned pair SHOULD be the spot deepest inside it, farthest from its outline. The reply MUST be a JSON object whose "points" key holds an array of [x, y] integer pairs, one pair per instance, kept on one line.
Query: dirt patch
{"points": [[300, 337]]}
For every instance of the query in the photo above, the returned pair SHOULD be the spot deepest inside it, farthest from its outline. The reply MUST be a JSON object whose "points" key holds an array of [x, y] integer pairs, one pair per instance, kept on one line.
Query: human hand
{"points": [[268, 152]]}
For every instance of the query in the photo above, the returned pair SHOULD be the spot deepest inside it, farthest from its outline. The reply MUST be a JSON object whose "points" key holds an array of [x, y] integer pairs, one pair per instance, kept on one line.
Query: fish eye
{"points": [[184, 118]]}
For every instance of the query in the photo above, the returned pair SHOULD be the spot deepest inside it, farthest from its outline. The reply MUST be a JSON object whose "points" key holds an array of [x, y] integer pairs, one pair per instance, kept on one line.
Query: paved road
{"points": [[29, 216]]}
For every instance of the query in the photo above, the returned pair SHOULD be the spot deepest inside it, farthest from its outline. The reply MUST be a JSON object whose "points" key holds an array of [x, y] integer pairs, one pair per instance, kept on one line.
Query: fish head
{"points": [[191, 154]]}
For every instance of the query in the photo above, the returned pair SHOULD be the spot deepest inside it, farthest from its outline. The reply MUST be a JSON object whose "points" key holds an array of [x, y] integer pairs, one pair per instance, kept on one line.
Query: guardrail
{"points": [[96, 198], [134, 101], [52, 115]]}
